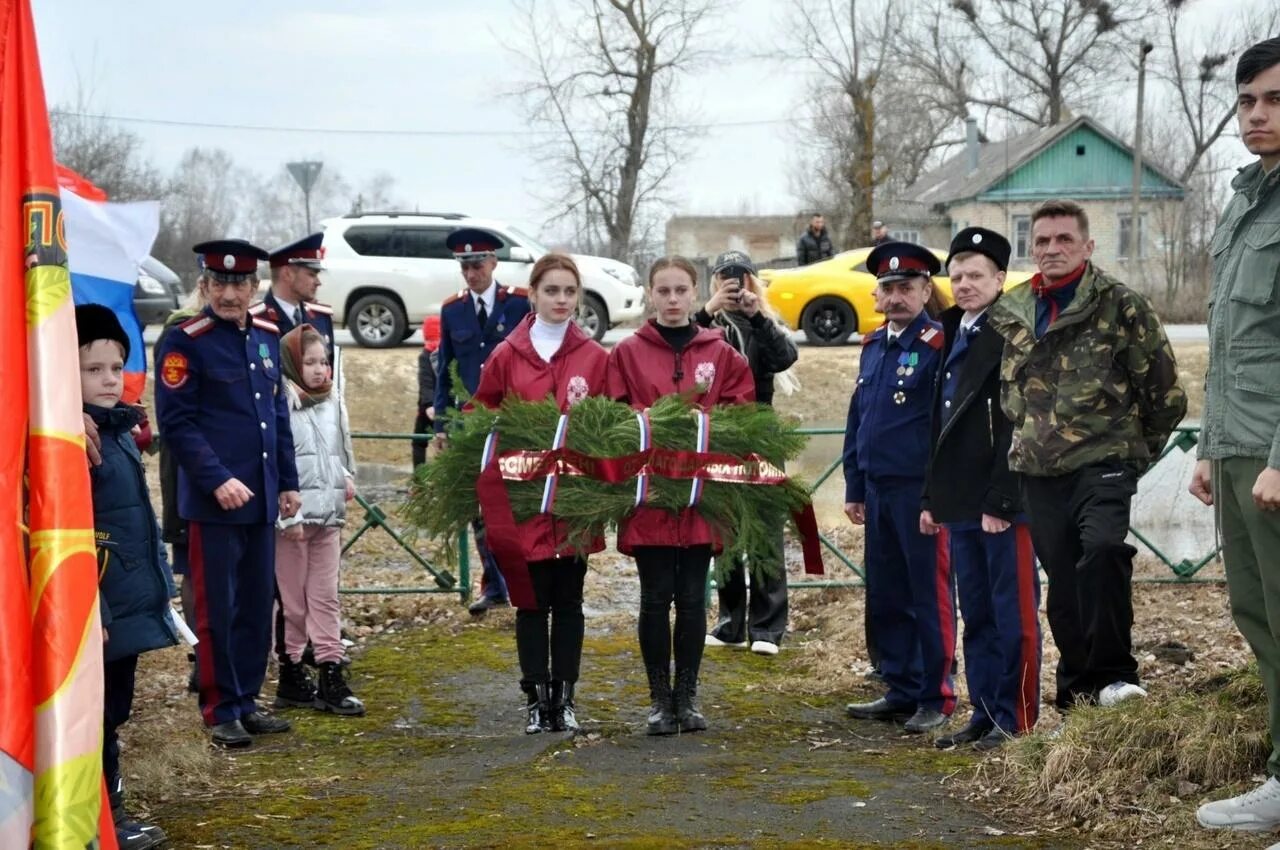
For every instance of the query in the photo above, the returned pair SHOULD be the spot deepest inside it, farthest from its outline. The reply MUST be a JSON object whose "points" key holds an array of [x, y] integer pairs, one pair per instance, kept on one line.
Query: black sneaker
{"points": [[295, 688], [260, 723], [132, 839], [334, 694]]}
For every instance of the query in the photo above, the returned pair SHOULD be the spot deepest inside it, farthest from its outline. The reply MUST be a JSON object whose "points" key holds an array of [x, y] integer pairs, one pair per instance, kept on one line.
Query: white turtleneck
{"points": [[547, 337]]}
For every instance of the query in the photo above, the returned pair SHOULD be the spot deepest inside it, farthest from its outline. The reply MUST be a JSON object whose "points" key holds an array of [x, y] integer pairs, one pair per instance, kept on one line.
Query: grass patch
{"points": [[1138, 770]]}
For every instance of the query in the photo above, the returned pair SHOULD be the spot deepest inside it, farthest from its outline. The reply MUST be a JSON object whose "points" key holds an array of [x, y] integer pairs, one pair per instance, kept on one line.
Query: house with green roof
{"points": [[997, 184]]}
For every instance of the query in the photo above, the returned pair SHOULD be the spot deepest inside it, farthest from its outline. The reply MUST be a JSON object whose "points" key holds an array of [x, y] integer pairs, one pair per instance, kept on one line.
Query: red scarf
{"points": [[1041, 287]]}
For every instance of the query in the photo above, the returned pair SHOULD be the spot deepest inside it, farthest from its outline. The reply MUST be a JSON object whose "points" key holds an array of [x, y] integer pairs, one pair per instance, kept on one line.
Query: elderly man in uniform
{"points": [[970, 491], [910, 596], [472, 323], [223, 415], [1091, 385]]}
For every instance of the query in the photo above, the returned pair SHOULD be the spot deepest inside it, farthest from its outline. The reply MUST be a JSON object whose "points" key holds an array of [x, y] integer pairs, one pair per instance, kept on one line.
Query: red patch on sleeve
{"points": [[173, 371]]}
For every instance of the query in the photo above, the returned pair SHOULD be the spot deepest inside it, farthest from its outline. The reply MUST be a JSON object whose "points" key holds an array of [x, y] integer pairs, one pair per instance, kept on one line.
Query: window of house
{"points": [[1125, 230], [905, 236], [1021, 237]]}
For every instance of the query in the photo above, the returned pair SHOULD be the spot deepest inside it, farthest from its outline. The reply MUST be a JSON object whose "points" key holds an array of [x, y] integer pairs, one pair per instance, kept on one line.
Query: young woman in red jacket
{"points": [[547, 354], [670, 354]]}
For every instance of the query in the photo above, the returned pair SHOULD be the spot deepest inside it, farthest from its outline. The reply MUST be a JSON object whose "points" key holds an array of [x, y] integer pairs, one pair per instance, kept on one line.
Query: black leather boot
{"points": [[661, 721], [686, 693], [334, 694], [563, 715], [295, 688], [539, 709]]}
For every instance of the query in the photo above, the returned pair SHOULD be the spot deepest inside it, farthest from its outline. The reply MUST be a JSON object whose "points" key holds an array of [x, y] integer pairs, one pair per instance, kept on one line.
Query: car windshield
{"points": [[529, 242]]}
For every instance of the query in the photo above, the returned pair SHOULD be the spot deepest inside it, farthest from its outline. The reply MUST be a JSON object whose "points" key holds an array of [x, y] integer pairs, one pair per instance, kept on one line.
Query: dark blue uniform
{"points": [[886, 451], [464, 341], [223, 414], [319, 316]]}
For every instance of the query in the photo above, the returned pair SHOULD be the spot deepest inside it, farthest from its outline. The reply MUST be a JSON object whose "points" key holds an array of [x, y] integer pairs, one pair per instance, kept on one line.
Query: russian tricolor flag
{"points": [[105, 243]]}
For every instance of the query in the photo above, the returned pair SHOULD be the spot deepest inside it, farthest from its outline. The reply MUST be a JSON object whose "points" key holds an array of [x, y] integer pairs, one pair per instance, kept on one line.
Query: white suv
{"points": [[386, 271]]}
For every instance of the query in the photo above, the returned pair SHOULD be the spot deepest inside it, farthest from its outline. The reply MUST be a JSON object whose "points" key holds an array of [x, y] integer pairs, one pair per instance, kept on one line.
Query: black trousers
{"points": [[422, 424], [760, 614], [557, 585], [1079, 522], [117, 703], [672, 574]]}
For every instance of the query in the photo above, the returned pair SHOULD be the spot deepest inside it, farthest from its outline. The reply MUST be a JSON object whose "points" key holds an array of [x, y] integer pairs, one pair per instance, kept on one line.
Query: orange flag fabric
{"points": [[51, 653]]}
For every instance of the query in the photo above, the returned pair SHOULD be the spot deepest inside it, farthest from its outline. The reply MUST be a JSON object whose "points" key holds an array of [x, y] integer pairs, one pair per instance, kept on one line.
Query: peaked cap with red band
{"points": [[901, 260], [469, 243], [230, 260], [307, 252]]}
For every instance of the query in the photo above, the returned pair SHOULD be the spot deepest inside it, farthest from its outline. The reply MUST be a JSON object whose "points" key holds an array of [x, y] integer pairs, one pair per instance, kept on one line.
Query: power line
{"points": [[365, 131]]}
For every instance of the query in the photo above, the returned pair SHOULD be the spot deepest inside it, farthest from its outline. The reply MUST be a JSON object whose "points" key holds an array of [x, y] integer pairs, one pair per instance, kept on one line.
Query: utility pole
{"points": [[305, 173], [1135, 214]]}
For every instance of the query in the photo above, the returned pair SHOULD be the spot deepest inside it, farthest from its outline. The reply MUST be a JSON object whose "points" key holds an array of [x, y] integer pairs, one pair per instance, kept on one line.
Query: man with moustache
{"points": [[1238, 470], [224, 417], [971, 492], [886, 451]]}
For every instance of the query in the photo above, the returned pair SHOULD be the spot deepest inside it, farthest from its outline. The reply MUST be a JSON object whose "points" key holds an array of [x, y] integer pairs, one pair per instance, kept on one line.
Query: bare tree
{"points": [[602, 82], [201, 201], [109, 156], [1039, 59], [866, 131]]}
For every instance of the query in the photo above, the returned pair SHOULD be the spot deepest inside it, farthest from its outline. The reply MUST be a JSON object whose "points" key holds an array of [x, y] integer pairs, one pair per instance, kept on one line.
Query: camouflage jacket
{"points": [[1100, 385], [1242, 386]]}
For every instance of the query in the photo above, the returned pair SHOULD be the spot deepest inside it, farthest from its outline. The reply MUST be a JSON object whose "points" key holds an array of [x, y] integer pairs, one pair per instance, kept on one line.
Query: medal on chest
{"points": [[907, 362], [265, 354]]}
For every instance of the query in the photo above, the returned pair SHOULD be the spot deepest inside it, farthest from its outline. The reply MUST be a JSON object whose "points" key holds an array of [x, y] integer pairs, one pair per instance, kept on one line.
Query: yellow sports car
{"points": [[833, 299]]}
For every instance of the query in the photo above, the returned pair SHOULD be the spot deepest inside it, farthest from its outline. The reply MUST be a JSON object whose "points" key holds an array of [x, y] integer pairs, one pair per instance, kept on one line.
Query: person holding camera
{"points": [[738, 308]]}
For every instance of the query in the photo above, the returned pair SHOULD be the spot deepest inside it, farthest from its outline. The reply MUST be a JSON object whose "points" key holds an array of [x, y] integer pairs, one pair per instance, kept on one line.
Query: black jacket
{"points": [[766, 345], [172, 526], [426, 379], [968, 473], [811, 249]]}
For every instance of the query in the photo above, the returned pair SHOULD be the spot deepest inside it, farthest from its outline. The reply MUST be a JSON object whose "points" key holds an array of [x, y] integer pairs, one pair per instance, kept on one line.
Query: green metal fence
{"points": [[1184, 570]]}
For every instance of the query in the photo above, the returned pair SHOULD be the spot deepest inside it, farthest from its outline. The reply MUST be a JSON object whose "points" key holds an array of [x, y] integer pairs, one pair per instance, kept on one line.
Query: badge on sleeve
{"points": [[173, 371]]}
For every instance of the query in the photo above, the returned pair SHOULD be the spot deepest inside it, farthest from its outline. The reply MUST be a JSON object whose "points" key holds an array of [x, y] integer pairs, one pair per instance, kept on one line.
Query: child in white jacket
{"points": [[308, 545]]}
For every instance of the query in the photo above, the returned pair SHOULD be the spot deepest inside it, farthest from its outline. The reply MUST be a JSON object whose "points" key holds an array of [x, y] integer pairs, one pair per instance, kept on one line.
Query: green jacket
{"points": [[1100, 385], [1242, 386]]}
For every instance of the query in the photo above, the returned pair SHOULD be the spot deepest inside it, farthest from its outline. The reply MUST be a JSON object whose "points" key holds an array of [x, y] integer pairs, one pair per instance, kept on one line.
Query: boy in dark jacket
{"points": [[134, 582]]}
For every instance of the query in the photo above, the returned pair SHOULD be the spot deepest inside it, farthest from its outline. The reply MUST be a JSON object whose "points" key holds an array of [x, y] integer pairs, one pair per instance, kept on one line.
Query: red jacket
{"points": [[576, 371], [642, 369]]}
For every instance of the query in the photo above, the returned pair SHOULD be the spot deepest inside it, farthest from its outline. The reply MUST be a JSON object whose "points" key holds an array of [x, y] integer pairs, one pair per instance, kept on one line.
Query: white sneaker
{"points": [[1254, 811], [712, 640], [763, 647], [1117, 692]]}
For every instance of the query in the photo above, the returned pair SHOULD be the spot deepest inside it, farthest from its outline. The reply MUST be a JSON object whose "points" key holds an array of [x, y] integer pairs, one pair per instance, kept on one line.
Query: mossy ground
{"points": [[440, 761]]}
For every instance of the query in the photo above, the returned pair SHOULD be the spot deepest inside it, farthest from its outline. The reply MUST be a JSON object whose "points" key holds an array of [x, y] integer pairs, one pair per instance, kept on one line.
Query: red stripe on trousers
{"points": [[1027, 709], [946, 619], [207, 675]]}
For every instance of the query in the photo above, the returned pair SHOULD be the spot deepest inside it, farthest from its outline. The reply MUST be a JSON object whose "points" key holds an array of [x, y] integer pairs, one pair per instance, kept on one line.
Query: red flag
{"points": [[51, 655]]}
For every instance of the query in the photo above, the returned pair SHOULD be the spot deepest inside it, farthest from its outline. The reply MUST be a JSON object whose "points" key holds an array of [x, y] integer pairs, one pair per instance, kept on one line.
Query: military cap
{"points": [[731, 260], [230, 260], [979, 240], [306, 252], [469, 243], [901, 260], [95, 322]]}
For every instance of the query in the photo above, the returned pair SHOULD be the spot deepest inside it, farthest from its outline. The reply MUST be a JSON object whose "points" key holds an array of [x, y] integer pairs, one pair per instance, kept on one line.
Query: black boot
{"points": [[539, 709], [334, 694], [686, 693], [295, 687], [563, 715], [661, 719]]}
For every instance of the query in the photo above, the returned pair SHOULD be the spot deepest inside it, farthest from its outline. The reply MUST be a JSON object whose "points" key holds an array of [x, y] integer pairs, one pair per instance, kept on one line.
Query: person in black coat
{"points": [[815, 243], [972, 494], [424, 423], [738, 308]]}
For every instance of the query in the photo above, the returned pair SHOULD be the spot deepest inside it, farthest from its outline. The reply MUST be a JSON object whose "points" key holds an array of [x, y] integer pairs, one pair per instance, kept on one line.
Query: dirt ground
{"points": [[440, 761]]}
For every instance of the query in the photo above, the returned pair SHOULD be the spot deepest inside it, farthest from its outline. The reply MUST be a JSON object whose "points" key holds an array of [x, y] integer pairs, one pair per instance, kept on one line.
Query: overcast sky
{"points": [[397, 65]]}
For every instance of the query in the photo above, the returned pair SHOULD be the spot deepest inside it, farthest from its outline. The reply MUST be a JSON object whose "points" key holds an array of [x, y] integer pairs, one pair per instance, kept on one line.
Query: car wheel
{"points": [[828, 321], [377, 321], [593, 316]]}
